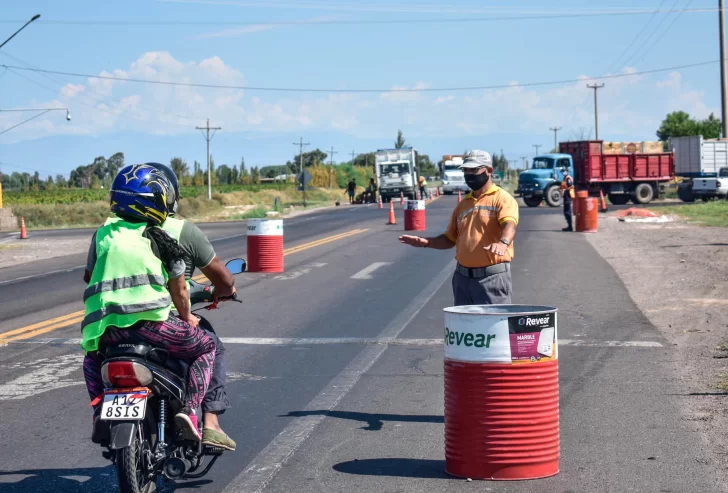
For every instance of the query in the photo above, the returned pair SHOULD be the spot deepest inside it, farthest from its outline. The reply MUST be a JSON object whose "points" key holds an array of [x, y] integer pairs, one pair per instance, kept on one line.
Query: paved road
{"points": [[315, 411]]}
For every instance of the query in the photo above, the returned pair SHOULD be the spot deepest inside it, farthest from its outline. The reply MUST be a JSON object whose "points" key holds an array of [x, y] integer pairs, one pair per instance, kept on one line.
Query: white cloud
{"points": [[630, 107], [257, 28]]}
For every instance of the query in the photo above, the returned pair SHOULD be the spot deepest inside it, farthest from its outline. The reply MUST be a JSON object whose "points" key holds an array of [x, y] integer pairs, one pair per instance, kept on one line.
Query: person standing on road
{"points": [[423, 187], [567, 187], [351, 188], [482, 228]]}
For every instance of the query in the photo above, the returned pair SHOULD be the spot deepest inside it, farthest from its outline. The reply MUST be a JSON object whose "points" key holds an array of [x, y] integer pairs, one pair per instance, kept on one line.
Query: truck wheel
{"points": [[685, 193], [643, 194], [532, 201], [554, 197], [618, 198]]}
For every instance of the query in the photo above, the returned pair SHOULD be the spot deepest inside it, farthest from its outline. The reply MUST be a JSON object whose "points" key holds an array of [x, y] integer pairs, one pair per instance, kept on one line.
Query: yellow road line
{"points": [[44, 330], [76, 317]]}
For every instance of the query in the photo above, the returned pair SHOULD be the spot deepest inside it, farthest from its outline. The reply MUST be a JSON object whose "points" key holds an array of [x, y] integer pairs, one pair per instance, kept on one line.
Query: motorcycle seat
{"points": [[149, 353]]}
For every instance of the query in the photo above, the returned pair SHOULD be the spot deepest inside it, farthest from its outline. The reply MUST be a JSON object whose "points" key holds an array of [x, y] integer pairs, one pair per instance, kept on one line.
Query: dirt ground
{"points": [[677, 274]]}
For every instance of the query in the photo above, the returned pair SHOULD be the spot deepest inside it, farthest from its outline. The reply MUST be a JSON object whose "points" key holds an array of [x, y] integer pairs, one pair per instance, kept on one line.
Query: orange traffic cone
{"points": [[380, 202], [603, 207], [401, 200], [23, 232], [392, 219], [437, 192], [460, 196]]}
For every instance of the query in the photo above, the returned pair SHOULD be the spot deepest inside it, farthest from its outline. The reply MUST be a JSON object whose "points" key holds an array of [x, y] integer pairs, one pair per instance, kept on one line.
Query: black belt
{"points": [[483, 271]]}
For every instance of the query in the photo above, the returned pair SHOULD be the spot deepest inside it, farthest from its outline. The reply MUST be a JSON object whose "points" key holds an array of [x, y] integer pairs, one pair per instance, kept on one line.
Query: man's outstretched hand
{"points": [[415, 241]]}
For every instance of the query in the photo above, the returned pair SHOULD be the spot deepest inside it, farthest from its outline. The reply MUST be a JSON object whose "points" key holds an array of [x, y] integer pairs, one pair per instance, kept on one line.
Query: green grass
{"points": [[714, 213]]}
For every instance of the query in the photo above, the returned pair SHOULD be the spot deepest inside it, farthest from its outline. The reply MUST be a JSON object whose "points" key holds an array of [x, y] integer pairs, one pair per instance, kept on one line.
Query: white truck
{"points": [[453, 179], [396, 171], [703, 165]]}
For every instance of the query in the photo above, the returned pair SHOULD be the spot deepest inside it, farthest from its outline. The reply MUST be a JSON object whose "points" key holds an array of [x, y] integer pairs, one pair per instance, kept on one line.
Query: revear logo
{"points": [[521, 321]]}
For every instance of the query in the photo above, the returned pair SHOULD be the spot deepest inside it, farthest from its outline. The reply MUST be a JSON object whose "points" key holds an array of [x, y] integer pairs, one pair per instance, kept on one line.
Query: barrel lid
{"points": [[503, 310]]}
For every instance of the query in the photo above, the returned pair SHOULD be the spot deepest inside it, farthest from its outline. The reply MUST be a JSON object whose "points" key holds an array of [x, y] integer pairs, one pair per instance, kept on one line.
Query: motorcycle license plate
{"points": [[124, 406]]}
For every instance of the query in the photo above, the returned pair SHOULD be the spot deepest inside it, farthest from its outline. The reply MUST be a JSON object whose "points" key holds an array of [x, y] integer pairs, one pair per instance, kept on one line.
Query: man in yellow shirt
{"points": [[482, 229]]}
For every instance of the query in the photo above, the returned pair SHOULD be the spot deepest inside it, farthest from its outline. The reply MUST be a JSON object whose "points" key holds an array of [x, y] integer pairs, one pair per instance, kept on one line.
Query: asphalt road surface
{"points": [[336, 370]]}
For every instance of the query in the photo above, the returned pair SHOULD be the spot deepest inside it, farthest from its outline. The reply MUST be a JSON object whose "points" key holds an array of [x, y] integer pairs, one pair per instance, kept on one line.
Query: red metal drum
{"points": [[265, 245], [501, 392], [587, 216], [414, 216]]}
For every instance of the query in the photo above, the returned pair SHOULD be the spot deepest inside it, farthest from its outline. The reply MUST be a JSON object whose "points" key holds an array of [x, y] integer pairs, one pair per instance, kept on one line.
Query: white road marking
{"points": [[299, 272], [45, 274], [387, 341], [271, 459], [366, 272], [49, 374]]}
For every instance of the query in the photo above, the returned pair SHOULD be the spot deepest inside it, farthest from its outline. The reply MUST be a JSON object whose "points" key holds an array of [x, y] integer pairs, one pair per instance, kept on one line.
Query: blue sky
{"points": [[331, 44]]}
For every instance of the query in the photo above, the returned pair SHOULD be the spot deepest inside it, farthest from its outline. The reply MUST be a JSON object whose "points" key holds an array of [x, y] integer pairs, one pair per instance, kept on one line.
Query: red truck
{"points": [[639, 176], [623, 171]]}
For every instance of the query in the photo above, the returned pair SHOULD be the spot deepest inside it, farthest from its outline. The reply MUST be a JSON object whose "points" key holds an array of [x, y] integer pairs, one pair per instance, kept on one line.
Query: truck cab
{"points": [[396, 173], [712, 187], [543, 180], [453, 178]]}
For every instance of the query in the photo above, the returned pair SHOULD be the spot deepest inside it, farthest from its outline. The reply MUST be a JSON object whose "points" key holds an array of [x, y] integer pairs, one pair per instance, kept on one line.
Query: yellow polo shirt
{"points": [[477, 223]]}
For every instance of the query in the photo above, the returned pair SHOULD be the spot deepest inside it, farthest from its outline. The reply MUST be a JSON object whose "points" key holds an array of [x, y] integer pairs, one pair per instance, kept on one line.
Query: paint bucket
{"points": [[501, 392], [414, 216], [265, 245]]}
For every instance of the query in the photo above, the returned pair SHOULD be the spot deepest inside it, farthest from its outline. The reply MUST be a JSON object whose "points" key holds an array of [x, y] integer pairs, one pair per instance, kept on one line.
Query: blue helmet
{"points": [[142, 192]]}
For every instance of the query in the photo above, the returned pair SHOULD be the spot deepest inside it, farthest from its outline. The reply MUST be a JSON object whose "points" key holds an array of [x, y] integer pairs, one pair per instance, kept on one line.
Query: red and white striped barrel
{"points": [[265, 245], [501, 392], [414, 216]]}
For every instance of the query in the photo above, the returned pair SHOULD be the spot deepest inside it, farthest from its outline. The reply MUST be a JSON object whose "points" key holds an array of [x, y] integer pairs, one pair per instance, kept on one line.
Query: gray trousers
{"points": [[216, 400], [491, 290]]}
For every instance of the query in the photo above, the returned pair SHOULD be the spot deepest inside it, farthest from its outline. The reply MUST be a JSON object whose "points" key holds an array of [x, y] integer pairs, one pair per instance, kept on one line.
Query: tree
{"points": [[244, 175], [313, 158], [680, 124], [199, 178], [49, 183], [223, 174], [425, 166], [400, 142], [114, 164], [180, 168], [255, 175], [234, 175], [581, 133]]}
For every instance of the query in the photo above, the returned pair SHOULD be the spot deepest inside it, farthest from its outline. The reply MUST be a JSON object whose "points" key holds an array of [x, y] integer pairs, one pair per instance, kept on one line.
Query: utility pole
{"points": [[555, 130], [208, 137], [723, 82], [300, 145], [596, 87], [524, 162], [537, 146], [353, 155]]}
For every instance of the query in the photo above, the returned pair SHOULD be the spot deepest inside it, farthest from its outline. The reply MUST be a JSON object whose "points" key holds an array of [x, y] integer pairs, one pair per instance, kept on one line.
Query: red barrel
{"points": [[501, 392], [265, 245], [414, 216], [579, 194], [587, 216]]}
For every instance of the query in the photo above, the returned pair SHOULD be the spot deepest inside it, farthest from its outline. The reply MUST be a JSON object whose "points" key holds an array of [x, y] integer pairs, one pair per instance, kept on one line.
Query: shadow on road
{"points": [[374, 421], [698, 245], [402, 468], [81, 480]]}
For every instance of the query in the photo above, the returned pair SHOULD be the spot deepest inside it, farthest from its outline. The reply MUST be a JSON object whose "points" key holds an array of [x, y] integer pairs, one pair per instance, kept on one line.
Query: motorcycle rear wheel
{"points": [[130, 468]]}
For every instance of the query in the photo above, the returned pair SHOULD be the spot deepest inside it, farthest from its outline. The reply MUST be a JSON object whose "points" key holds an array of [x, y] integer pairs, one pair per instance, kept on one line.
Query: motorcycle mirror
{"points": [[236, 265]]}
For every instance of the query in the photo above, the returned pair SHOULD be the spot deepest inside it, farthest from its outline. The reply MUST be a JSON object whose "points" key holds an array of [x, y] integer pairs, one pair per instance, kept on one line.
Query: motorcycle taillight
{"points": [[125, 374]]}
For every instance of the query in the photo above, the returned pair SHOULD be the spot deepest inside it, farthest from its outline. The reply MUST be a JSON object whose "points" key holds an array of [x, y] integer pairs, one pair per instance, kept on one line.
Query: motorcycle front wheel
{"points": [[132, 465]]}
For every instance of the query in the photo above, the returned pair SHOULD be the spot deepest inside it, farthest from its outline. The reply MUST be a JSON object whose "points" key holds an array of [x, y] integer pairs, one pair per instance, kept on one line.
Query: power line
{"points": [[649, 38], [644, 28], [331, 90], [458, 20], [657, 41]]}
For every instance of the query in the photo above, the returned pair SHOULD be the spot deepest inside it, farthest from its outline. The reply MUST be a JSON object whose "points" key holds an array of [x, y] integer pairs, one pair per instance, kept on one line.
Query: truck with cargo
{"points": [[703, 165], [396, 172], [623, 172], [453, 178]]}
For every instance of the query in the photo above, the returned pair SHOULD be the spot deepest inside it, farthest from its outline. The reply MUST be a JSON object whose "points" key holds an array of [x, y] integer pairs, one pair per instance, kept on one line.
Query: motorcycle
{"points": [[144, 388]]}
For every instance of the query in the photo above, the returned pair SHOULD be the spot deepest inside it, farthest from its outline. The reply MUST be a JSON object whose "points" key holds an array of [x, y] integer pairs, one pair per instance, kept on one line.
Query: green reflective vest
{"points": [[128, 284]]}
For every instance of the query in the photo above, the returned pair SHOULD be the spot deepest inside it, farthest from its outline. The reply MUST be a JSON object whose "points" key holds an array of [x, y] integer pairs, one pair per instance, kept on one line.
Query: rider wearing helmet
{"points": [[135, 273], [199, 253]]}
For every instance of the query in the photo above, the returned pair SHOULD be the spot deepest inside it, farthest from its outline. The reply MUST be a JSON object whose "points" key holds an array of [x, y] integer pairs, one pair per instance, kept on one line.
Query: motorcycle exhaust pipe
{"points": [[175, 468]]}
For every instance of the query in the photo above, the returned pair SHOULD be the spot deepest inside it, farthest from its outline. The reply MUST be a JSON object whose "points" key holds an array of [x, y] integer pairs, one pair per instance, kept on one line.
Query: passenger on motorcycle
{"points": [[135, 275], [200, 254]]}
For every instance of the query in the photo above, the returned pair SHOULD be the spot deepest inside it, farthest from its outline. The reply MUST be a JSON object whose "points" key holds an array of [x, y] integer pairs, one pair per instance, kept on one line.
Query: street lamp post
{"points": [[35, 17], [42, 111]]}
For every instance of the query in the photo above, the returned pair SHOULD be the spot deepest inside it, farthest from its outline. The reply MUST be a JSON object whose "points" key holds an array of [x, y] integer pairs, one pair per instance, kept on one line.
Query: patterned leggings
{"points": [[183, 342]]}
